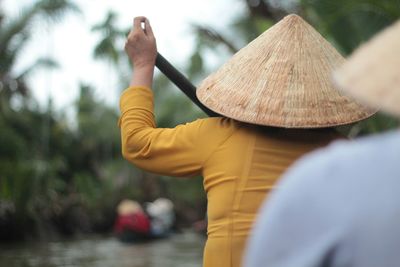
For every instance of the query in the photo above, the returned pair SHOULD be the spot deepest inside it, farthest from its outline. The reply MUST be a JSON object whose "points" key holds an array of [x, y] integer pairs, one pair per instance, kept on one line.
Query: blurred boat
{"points": [[133, 224]]}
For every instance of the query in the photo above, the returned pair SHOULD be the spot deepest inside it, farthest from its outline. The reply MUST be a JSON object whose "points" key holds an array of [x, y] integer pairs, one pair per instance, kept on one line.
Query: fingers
{"points": [[137, 25], [147, 28]]}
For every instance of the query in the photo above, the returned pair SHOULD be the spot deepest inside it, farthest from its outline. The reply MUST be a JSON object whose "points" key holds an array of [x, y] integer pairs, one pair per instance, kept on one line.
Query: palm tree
{"points": [[107, 48], [25, 184], [14, 35]]}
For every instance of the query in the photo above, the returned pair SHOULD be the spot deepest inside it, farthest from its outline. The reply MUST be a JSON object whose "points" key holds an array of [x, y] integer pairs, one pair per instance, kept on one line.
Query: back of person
{"points": [[265, 83], [340, 206], [238, 176], [335, 207]]}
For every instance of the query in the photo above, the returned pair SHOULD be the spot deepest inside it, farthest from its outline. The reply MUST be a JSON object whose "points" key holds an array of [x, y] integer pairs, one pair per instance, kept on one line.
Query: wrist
{"points": [[142, 76], [143, 67], [144, 63]]}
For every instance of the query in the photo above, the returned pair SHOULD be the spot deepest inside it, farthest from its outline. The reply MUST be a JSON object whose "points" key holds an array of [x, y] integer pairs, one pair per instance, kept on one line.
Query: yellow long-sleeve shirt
{"points": [[240, 164]]}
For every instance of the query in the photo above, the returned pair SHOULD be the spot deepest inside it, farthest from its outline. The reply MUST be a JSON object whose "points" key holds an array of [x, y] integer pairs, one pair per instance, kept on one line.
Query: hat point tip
{"points": [[293, 16]]}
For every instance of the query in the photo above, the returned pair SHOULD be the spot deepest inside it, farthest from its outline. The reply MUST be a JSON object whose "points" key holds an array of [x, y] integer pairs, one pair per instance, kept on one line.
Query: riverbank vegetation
{"points": [[58, 177]]}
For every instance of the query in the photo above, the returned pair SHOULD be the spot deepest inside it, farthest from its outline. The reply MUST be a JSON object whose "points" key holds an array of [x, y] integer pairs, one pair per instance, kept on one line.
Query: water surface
{"points": [[180, 250]]}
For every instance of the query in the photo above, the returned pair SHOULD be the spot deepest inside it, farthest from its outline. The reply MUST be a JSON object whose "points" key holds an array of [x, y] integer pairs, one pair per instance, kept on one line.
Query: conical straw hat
{"points": [[372, 73], [128, 206], [283, 79]]}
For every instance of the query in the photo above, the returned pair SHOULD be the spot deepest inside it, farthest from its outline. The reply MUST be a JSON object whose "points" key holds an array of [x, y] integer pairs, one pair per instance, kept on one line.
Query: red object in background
{"points": [[137, 222]]}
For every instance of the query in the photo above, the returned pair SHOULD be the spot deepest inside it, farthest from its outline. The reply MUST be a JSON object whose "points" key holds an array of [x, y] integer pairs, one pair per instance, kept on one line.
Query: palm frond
{"points": [[360, 19], [214, 37], [15, 27], [53, 9], [40, 63], [56, 9], [7, 59], [107, 48]]}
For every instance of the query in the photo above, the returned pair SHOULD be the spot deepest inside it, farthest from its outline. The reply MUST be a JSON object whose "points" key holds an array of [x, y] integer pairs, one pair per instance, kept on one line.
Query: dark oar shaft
{"points": [[181, 82]]}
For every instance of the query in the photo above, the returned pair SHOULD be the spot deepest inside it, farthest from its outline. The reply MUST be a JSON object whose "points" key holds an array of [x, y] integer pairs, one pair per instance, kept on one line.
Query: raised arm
{"points": [[141, 49], [179, 151]]}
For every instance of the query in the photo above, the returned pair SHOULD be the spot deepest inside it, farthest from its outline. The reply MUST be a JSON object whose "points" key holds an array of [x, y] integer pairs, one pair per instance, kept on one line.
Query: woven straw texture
{"points": [[283, 79], [372, 73]]}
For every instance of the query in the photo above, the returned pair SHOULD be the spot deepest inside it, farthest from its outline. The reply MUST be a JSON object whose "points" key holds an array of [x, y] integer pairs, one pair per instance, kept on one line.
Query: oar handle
{"points": [[182, 83]]}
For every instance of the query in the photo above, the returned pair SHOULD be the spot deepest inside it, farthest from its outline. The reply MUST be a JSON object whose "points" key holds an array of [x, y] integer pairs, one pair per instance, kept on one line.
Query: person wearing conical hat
{"points": [[132, 223], [340, 206], [162, 216], [271, 95]]}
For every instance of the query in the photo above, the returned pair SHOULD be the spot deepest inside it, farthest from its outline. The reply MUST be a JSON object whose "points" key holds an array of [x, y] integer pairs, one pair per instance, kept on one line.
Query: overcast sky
{"points": [[71, 42]]}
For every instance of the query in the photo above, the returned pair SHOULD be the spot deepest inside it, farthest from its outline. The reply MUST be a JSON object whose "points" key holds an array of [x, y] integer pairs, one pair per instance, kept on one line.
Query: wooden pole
{"points": [[182, 83]]}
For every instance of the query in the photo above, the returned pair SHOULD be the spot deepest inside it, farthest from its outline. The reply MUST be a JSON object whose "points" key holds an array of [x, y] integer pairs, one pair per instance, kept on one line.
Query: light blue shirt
{"points": [[338, 206]]}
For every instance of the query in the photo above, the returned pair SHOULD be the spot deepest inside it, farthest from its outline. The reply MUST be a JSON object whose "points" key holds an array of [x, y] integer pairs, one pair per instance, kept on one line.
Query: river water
{"points": [[180, 250]]}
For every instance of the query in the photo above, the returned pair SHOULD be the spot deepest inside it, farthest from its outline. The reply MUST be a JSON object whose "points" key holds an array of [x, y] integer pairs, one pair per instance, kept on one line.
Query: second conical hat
{"points": [[128, 206], [282, 79], [372, 73]]}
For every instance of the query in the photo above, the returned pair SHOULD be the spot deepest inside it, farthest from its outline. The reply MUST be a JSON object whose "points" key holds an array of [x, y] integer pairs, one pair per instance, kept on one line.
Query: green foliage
{"points": [[52, 173], [15, 32], [378, 123], [349, 23], [48, 169], [55, 9], [42, 158], [188, 190], [107, 47]]}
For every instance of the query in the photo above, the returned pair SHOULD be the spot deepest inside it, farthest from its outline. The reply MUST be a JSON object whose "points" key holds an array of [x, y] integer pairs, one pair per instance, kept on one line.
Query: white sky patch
{"points": [[71, 42]]}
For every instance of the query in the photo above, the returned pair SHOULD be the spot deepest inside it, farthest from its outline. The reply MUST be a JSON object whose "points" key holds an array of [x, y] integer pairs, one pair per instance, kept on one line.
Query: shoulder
{"points": [[218, 121], [216, 124]]}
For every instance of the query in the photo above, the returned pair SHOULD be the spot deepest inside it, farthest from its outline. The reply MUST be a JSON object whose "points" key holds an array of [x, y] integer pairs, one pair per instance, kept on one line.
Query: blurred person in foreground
{"points": [[272, 93], [340, 206]]}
